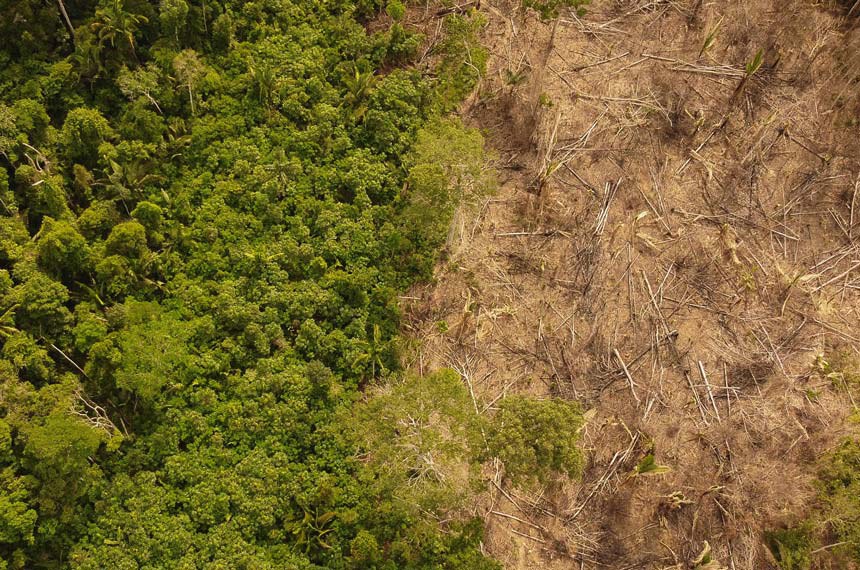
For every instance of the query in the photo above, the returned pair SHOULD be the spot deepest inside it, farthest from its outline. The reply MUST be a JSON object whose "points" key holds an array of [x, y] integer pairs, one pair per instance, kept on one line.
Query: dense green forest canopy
{"points": [[207, 209]]}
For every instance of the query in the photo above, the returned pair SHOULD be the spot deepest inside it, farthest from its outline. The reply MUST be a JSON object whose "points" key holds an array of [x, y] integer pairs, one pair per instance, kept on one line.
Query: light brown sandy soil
{"points": [[704, 235]]}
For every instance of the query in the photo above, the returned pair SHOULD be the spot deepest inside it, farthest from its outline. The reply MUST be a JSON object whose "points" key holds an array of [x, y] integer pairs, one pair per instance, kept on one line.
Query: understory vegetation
{"points": [[207, 210]]}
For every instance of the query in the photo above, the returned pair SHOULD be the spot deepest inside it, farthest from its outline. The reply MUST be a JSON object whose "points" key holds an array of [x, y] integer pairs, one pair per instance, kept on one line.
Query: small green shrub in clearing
{"points": [[649, 467], [548, 9], [791, 547], [840, 367], [545, 101]]}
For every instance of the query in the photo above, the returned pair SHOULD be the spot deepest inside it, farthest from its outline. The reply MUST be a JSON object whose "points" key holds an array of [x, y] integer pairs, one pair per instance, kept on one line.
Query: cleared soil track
{"points": [[674, 244]]}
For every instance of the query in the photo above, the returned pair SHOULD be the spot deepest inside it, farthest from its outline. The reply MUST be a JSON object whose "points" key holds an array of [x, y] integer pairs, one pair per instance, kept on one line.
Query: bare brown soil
{"points": [[673, 246]]}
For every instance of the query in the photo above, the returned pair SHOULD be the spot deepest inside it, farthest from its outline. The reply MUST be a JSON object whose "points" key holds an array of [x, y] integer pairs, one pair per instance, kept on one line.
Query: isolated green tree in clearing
{"points": [[537, 439]]}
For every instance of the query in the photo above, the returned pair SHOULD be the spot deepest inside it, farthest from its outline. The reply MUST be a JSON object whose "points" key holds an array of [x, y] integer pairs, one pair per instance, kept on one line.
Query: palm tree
{"points": [[88, 58], [127, 181], [265, 82], [7, 322], [374, 353], [358, 88], [311, 530], [114, 24]]}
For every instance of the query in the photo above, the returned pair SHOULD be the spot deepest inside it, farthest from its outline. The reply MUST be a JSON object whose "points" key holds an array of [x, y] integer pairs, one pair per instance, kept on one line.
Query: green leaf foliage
{"points": [[462, 61], [839, 490], [791, 547], [830, 534], [536, 439], [649, 467]]}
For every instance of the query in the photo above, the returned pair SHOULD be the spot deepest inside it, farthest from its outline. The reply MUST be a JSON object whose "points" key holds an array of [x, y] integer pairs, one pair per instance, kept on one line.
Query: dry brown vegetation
{"points": [[674, 242]]}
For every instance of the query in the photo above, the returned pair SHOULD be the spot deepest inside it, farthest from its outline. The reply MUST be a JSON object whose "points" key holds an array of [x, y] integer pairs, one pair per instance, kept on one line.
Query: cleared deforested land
{"points": [[675, 246]]}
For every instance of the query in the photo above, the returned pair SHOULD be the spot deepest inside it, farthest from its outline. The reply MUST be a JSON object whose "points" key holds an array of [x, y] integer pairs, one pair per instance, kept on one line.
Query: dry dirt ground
{"points": [[674, 244]]}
